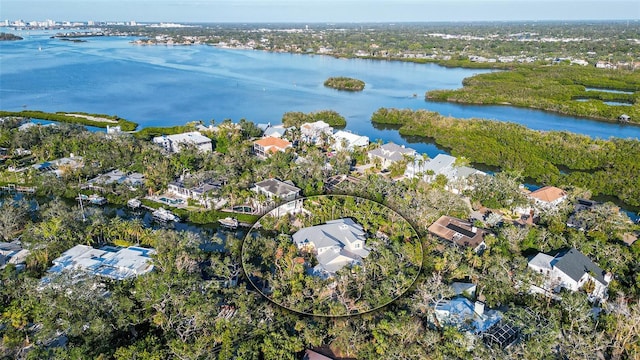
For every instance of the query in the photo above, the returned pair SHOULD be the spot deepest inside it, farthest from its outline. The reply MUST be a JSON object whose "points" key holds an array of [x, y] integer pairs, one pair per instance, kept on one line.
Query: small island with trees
{"points": [[331, 117], [344, 83], [9, 37]]}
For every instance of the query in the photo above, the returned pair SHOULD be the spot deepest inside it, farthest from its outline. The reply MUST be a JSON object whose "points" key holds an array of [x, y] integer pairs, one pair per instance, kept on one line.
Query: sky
{"points": [[271, 11]]}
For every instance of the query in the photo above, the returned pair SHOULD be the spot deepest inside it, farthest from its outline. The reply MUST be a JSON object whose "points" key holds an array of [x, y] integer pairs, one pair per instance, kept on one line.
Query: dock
{"points": [[12, 188]]}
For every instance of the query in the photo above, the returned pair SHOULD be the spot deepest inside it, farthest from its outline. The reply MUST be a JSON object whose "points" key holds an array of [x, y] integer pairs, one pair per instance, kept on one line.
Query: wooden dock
{"points": [[12, 188]]}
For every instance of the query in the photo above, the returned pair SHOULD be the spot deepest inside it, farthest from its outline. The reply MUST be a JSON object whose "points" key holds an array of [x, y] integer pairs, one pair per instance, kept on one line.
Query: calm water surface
{"points": [[161, 86]]}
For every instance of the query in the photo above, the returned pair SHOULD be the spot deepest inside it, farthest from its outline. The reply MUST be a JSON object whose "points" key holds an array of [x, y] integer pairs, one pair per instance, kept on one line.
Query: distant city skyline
{"points": [[318, 11]]}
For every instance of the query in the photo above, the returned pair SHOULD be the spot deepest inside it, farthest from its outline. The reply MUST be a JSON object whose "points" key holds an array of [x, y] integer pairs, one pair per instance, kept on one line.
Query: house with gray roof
{"points": [[442, 164], [571, 270], [337, 243], [109, 261], [390, 153], [12, 253], [118, 177]]}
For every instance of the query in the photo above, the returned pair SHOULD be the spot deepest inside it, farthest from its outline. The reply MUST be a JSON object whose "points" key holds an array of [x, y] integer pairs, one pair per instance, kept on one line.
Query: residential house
{"points": [[460, 232], [114, 129], [12, 253], [197, 193], [337, 243], [109, 261], [350, 140], [581, 205], [442, 164], [548, 197], [390, 153], [267, 146], [60, 166], [278, 191], [118, 177], [314, 355], [571, 270], [465, 289], [277, 131], [173, 143], [464, 315], [314, 132]]}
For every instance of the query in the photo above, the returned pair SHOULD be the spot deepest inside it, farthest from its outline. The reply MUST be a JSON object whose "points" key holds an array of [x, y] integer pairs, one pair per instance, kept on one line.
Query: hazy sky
{"points": [[317, 10]]}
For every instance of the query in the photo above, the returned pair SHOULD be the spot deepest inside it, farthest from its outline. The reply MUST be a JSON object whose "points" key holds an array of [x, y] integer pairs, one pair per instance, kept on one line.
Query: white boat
{"points": [[134, 203], [164, 215], [97, 199], [229, 222]]}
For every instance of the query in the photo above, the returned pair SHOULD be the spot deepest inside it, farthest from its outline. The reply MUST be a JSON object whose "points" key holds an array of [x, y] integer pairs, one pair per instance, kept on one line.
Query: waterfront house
{"points": [[109, 261], [315, 132], [390, 153], [350, 140], [548, 197], [267, 146], [336, 244], [173, 143], [60, 166], [459, 232], [118, 177], [278, 192], [442, 164], [197, 192], [571, 270]]}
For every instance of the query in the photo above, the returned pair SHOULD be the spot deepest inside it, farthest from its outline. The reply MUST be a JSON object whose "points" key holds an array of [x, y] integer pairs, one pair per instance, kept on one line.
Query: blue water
{"points": [[161, 86], [609, 90]]}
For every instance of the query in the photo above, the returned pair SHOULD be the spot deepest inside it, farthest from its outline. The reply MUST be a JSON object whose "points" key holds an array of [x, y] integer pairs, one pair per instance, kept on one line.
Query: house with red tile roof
{"points": [[267, 146]]}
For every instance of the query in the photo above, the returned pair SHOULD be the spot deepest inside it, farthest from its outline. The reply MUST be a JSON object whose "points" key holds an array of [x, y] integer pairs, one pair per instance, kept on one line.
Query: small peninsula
{"points": [[344, 83], [9, 37]]}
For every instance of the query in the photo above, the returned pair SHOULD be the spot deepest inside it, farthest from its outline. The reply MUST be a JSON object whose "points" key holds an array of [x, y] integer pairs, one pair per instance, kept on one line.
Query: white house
{"points": [[390, 153], [351, 140], [173, 143], [571, 270], [109, 261], [442, 164], [548, 196], [337, 243], [313, 132]]}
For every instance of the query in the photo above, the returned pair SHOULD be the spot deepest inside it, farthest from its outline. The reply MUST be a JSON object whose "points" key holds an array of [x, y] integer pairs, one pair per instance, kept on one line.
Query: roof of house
{"points": [[439, 163], [274, 131], [277, 187], [575, 264], [392, 151], [188, 137], [541, 260], [460, 312], [312, 355], [460, 288], [548, 194], [114, 262], [271, 141], [352, 139], [458, 231], [340, 234]]}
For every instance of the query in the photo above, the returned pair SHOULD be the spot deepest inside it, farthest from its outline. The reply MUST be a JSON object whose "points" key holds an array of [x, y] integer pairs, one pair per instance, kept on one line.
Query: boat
{"points": [[229, 222], [97, 200], [134, 203], [164, 215]]}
